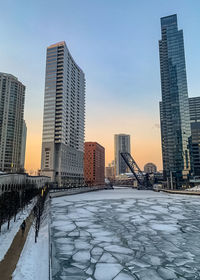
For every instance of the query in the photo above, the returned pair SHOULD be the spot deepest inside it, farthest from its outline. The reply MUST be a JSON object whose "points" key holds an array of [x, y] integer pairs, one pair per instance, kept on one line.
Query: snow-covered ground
{"points": [[6, 236], [194, 189], [34, 260], [125, 234]]}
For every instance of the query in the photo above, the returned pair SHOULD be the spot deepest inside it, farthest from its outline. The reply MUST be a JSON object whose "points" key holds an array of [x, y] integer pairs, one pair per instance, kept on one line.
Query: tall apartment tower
{"points": [[64, 117], [94, 164], [194, 106], [121, 144], [12, 95], [174, 108]]}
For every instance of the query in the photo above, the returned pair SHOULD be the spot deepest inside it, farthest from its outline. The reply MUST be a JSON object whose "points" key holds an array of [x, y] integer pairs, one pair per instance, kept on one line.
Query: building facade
{"points": [[174, 108], [17, 182], [94, 164], [110, 170], [121, 144], [150, 168], [23, 145], [194, 106], [64, 118], [12, 95]]}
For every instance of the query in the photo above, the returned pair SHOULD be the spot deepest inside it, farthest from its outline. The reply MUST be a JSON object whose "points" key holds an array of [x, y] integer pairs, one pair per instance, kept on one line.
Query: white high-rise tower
{"points": [[64, 117]]}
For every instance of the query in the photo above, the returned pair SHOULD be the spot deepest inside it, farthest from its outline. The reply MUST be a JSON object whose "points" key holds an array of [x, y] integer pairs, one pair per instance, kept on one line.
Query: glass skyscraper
{"points": [[122, 144], [194, 106], [64, 117], [174, 108]]}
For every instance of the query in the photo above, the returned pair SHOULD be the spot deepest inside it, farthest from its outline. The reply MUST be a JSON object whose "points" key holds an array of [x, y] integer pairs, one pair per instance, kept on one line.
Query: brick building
{"points": [[94, 164]]}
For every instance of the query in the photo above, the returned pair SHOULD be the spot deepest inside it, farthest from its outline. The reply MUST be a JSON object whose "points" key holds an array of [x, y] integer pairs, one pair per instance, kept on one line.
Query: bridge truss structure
{"points": [[143, 180]]}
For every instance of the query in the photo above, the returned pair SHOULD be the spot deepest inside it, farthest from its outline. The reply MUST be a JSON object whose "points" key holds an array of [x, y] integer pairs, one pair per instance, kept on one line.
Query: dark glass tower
{"points": [[194, 106], [174, 108]]}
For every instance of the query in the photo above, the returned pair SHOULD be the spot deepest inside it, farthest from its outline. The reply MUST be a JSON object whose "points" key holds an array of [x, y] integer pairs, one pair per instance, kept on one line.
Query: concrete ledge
{"points": [[76, 191], [181, 192]]}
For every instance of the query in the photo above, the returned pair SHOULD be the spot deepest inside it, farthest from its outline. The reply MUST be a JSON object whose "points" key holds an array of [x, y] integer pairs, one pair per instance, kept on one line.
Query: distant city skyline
{"points": [[118, 55]]}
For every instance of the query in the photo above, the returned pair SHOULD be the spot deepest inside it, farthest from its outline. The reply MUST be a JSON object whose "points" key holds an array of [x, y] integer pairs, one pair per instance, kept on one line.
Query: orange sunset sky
{"points": [[145, 136]]}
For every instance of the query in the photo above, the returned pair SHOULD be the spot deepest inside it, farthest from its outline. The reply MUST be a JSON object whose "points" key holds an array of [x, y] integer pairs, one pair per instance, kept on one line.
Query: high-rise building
{"points": [[194, 106], [122, 144], [150, 168], [12, 95], [94, 164], [64, 117], [174, 108], [23, 145]]}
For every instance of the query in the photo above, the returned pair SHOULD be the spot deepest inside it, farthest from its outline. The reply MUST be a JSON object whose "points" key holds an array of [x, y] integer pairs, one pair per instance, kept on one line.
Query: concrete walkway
{"points": [[181, 192], [8, 264]]}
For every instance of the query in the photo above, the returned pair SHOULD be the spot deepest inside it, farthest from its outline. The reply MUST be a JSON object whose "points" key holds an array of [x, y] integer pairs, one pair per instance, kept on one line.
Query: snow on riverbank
{"points": [[34, 260], [7, 236]]}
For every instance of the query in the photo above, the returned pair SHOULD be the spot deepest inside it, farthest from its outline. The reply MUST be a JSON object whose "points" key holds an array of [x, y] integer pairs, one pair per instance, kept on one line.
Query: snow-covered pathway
{"points": [[34, 259], [7, 236], [126, 234]]}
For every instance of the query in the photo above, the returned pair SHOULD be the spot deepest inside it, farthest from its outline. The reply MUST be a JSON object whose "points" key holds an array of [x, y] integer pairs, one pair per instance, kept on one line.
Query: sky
{"points": [[115, 42]]}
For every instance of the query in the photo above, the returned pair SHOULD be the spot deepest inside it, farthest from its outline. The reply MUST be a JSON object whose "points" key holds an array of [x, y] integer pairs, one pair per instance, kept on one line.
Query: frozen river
{"points": [[125, 234]]}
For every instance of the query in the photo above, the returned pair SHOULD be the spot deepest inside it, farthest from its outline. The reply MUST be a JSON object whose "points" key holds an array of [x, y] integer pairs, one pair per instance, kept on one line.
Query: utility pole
{"points": [[171, 178]]}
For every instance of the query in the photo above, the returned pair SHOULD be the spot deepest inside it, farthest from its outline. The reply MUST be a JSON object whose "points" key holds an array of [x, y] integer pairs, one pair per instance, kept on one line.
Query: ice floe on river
{"points": [[125, 234]]}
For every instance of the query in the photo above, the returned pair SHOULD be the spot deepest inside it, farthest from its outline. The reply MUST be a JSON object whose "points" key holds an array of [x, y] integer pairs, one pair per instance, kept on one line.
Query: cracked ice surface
{"points": [[125, 234]]}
